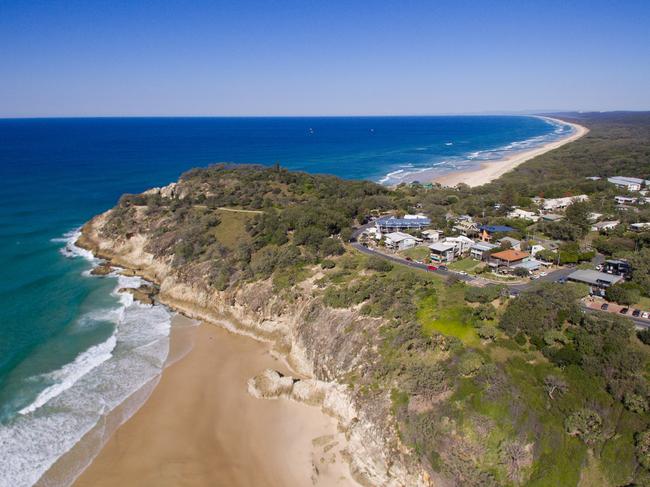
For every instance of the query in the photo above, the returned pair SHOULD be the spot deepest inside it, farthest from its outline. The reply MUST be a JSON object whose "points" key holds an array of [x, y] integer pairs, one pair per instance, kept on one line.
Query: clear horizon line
{"points": [[442, 114]]}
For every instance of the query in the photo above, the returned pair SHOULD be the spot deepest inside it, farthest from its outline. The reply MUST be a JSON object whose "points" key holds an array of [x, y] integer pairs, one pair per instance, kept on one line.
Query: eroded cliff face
{"points": [[324, 347]]}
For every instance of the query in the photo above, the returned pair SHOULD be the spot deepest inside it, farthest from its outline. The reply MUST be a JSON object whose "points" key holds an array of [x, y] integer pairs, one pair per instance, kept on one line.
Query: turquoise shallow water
{"points": [[60, 329]]}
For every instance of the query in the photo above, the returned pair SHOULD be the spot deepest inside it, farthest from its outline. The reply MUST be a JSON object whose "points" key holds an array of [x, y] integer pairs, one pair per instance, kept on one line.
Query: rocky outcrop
{"points": [[321, 345]]}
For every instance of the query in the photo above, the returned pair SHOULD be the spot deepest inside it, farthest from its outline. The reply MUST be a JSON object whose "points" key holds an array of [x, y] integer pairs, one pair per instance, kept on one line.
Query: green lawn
{"points": [[464, 265], [416, 253]]}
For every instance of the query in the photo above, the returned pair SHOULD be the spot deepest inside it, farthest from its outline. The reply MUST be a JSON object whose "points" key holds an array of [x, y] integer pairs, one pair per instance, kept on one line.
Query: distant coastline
{"points": [[489, 171]]}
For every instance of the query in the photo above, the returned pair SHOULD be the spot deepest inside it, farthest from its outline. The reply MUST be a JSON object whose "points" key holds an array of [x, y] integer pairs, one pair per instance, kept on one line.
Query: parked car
{"points": [[443, 268], [462, 273], [409, 259], [604, 306], [561, 280], [636, 313], [432, 268], [543, 274], [645, 314], [534, 277], [624, 311]]}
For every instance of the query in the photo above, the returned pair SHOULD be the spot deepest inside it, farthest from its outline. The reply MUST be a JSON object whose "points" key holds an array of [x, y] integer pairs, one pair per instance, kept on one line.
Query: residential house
{"points": [[529, 265], [552, 217], [523, 214], [431, 235], [399, 240], [509, 242], [593, 217], [630, 184], [605, 226], [461, 244], [388, 224], [553, 204], [625, 200], [594, 279], [488, 231], [442, 252], [618, 267], [466, 228], [508, 258], [640, 227], [536, 248], [481, 250]]}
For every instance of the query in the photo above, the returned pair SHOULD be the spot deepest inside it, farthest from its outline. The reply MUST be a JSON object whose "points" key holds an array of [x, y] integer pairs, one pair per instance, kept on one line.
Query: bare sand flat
{"points": [[492, 170], [200, 427]]}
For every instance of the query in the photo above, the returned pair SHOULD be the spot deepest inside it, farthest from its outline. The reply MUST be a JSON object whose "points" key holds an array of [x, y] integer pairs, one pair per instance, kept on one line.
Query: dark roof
{"points": [[496, 228]]}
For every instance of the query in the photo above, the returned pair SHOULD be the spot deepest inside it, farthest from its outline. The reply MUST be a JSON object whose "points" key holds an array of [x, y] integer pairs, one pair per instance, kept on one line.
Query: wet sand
{"points": [[200, 427]]}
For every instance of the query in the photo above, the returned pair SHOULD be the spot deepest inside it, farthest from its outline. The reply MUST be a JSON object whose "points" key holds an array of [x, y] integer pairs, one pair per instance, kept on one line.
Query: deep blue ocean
{"points": [[71, 349]]}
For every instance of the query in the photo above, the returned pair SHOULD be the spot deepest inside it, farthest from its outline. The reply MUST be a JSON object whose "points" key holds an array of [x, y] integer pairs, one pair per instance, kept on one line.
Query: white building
{"points": [[536, 248], [480, 250], [523, 214], [461, 244], [442, 252], [593, 217], [604, 226], [399, 240], [625, 200], [630, 184], [560, 203], [432, 235], [639, 227]]}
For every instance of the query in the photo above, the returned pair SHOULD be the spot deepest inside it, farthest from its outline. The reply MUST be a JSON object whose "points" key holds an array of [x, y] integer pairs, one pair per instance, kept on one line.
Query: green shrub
{"points": [[585, 424]]}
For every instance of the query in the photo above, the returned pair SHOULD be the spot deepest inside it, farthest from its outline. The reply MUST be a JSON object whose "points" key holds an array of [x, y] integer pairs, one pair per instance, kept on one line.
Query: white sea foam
{"points": [[463, 162], [84, 391], [70, 249], [66, 376]]}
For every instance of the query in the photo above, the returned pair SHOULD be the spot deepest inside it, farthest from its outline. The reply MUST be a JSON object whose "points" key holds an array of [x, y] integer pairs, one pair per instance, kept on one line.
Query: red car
{"points": [[432, 268]]}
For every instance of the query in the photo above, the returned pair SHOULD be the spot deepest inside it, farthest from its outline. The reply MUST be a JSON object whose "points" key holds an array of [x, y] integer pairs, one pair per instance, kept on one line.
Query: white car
{"points": [[543, 274], [645, 314]]}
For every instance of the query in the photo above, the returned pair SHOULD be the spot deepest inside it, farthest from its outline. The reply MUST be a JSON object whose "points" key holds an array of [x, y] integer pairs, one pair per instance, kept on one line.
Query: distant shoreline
{"points": [[489, 171]]}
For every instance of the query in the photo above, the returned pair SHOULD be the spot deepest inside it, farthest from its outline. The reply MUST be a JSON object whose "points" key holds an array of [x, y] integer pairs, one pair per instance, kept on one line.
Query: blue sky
{"points": [[81, 58]]}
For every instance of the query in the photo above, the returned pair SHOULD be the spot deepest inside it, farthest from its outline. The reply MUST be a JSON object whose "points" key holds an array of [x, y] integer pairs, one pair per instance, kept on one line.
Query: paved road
{"points": [[551, 277], [516, 288]]}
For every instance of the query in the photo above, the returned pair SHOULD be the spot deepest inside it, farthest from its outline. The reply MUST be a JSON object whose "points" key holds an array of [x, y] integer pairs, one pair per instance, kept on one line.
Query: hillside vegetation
{"points": [[485, 389]]}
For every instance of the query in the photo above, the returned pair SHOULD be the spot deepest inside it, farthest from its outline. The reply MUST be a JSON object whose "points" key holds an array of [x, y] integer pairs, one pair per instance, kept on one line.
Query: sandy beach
{"points": [[495, 169], [200, 427]]}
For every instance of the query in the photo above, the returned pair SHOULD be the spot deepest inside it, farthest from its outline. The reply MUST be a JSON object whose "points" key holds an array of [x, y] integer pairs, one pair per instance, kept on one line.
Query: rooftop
{"points": [[398, 236], [496, 228], [593, 277], [441, 247], [510, 255]]}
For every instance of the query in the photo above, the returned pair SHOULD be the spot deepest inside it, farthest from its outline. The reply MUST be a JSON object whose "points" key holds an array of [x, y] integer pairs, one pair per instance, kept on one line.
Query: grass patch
{"points": [[416, 253], [643, 304], [445, 312], [466, 265], [231, 232]]}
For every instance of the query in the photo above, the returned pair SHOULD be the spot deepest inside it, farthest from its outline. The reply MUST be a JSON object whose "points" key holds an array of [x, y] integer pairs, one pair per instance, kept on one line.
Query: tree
{"points": [[555, 385], [586, 424], [635, 403], [487, 332], [470, 363], [623, 294]]}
